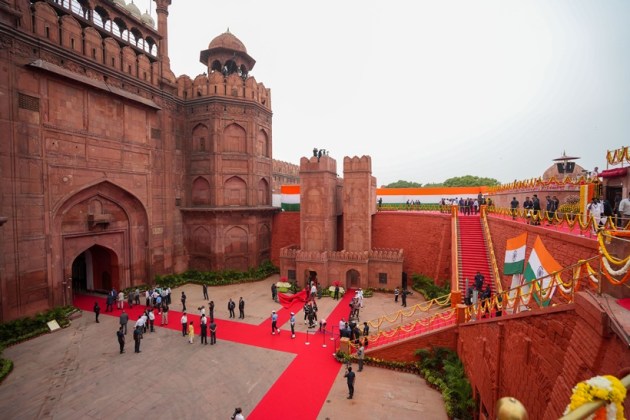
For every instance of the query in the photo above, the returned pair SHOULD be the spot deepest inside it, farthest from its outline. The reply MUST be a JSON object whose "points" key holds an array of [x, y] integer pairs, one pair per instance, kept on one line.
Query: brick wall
{"points": [[424, 238], [285, 231], [538, 357], [404, 351]]}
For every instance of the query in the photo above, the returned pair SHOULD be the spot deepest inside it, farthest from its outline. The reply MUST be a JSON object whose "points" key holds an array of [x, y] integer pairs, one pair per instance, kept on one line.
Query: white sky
{"points": [[430, 89]]}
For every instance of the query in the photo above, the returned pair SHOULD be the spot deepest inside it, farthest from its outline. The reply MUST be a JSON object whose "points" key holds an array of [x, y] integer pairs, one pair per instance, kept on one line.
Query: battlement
{"points": [[318, 164], [387, 254], [359, 256], [215, 84], [357, 164]]}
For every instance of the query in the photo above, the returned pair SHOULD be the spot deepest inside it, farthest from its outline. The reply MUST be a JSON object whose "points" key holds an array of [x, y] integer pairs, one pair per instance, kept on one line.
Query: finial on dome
{"points": [[228, 30]]}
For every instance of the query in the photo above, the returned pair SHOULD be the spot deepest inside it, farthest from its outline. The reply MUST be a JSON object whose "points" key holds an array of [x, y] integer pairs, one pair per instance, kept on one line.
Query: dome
{"points": [[228, 41], [148, 20], [121, 3], [133, 9]]}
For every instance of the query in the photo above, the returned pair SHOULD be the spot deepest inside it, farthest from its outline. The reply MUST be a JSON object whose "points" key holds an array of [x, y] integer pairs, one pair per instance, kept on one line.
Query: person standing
{"points": [[350, 378], [136, 297], [123, 320], [274, 323], [121, 300], [241, 308], [366, 329], [164, 313], [292, 322], [624, 212], [336, 296], [204, 329], [396, 294], [183, 302], [137, 336], [205, 291], [213, 332], [97, 311], [109, 303], [151, 320], [360, 356], [528, 206], [211, 310], [514, 207], [130, 299], [231, 306], [536, 210], [274, 292], [184, 322], [403, 297], [238, 414], [191, 332], [121, 339]]}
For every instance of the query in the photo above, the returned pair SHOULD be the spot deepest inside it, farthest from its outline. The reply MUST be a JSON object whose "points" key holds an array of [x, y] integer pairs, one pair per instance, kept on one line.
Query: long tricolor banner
{"points": [[515, 255], [290, 195], [539, 266]]}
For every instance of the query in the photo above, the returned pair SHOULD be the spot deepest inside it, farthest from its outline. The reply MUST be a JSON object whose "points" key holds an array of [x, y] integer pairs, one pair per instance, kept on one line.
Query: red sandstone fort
{"points": [[114, 171]]}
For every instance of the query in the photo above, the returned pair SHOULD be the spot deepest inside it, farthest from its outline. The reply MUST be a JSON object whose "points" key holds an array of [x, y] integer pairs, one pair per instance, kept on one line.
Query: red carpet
{"points": [[313, 364], [472, 252], [624, 303]]}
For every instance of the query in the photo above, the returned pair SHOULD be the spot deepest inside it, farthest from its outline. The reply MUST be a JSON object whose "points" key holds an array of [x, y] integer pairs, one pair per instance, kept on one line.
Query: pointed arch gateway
{"points": [[102, 232]]}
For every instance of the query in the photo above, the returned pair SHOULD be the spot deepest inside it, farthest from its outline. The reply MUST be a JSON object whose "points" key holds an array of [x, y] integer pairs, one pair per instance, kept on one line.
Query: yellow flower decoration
{"points": [[606, 388]]}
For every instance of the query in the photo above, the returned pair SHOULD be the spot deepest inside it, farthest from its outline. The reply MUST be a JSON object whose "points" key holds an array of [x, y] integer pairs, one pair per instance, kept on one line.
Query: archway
{"points": [[309, 276], [96, 269], [353, 279]]}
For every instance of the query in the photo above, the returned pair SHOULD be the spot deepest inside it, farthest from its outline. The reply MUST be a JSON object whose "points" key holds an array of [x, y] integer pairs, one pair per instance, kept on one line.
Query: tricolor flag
{"points": [[515, 254], [541, 264], [290, 200]]}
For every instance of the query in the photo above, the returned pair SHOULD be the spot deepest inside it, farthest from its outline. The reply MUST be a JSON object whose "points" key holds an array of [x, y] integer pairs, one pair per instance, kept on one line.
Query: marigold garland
{"points": [[606, 388]]}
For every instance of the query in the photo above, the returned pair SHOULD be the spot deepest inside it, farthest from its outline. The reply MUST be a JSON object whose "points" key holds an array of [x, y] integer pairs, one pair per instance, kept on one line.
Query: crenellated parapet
{"points": [[311, 256], [357, 164], [289, 251], [343, 256], [387, 254], [217, 85], [323, 163], [286, 168]]}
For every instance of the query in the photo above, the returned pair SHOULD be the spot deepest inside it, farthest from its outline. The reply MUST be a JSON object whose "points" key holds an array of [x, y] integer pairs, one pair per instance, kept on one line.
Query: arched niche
{"points": [[200, 136], [262, 144], [263, 195], [234, 139], [200, 193], [235, 192]]}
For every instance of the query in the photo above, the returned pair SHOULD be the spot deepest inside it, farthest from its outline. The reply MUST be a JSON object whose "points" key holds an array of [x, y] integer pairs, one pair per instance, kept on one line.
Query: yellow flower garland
{"points": [[606, 388]]}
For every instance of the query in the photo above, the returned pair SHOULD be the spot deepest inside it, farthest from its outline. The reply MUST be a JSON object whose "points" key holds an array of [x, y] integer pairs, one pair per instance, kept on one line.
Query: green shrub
{"points": [[23, 328], [443, 369], [427, 287], [213, 278]]}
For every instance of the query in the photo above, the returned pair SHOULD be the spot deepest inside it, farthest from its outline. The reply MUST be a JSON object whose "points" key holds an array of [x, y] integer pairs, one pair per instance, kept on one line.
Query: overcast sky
{"points": [[430, 89]]}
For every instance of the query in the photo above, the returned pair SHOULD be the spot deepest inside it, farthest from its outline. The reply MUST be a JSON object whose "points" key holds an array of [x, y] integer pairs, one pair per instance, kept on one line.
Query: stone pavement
{"points": [[78, 373]]}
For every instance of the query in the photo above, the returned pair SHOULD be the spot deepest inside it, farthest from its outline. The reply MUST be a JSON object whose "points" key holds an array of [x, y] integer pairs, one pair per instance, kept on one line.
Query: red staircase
{"points": [[473, 254]]}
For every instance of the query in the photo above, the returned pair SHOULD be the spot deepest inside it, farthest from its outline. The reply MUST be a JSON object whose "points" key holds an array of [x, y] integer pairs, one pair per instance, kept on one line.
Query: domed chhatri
{"points": [[227, 54], [147, 19], [133, 9], [121, 3], [228, 41]]}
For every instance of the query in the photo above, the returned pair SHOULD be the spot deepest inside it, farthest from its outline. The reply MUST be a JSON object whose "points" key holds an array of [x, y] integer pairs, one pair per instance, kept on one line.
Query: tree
{"points": [[403, 184], [466, 181]]}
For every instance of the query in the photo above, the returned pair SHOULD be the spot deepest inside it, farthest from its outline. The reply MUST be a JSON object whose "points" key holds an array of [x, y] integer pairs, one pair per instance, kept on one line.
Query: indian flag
{"points": [[290, 200], [540, 264], [515, 254]]}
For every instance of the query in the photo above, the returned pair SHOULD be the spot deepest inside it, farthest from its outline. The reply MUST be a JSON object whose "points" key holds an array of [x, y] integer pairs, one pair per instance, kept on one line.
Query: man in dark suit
{"points": [[350, 377], [241, 308]]}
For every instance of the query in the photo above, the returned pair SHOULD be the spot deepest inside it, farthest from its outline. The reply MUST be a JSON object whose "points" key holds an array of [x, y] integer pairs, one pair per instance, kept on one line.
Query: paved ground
{"points": [[78, 373]]}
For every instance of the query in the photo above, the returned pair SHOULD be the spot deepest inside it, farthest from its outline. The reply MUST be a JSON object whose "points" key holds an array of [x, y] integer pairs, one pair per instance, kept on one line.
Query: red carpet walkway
{"points": [[313, 363]]}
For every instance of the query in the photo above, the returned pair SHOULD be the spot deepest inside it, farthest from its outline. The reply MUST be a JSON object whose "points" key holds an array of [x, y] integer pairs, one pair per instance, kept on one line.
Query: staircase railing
{"points": [[455, 254], [490, 248], [398, 317], [519, 298]]}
